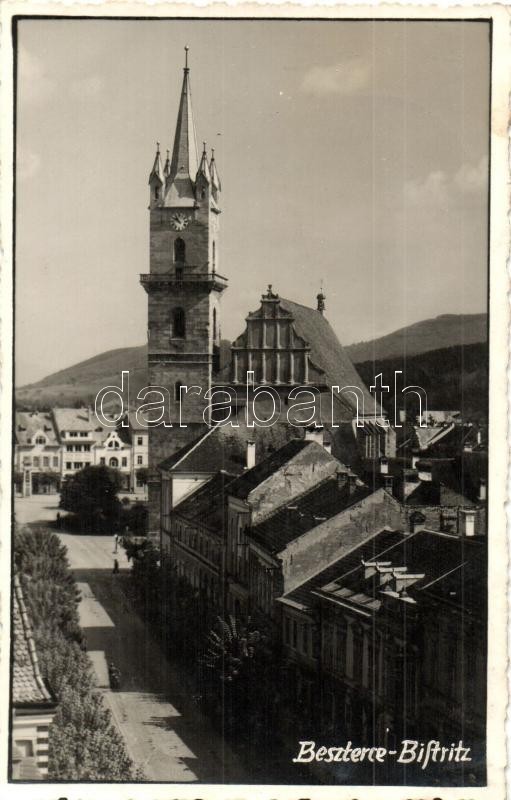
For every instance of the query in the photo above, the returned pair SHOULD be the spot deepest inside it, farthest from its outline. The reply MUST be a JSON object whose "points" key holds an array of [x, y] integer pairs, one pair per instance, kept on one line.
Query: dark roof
{"points": [[225, 447], [305, 512], [327, 351], [206, 505], [435, 556], [452, 484], [347, 560], [29, 423], [243, 485], [28, 687]]}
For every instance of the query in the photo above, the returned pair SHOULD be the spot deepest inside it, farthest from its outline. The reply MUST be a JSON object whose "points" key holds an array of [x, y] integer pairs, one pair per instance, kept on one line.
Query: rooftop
{"points": [[306, 512], [28, 687], [29, 423]]}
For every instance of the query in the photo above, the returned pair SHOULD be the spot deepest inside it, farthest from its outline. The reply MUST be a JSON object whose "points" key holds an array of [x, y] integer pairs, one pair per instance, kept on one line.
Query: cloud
{"points": [[34, 86], [347, 77], [28, 165], [440, 190], [90, 86], [432, 191], [472, 178]]}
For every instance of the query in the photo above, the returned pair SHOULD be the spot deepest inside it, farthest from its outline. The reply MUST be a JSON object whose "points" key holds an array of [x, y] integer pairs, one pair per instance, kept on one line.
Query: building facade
{"points": [[52, 446]]}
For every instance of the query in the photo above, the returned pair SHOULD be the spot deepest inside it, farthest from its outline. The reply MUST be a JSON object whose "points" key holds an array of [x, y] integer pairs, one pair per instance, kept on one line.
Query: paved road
{"points": [[164, 731]]}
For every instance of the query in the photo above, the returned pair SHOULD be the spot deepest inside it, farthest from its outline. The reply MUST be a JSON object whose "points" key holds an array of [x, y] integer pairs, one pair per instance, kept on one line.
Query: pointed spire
{"points": [[214, 173], [204, 166], [166, 168], [157, 171], [184, 163]]}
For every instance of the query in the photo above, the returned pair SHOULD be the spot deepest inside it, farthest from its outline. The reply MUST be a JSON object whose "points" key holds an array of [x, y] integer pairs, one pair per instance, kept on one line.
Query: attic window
{"points": [[40, 440]]}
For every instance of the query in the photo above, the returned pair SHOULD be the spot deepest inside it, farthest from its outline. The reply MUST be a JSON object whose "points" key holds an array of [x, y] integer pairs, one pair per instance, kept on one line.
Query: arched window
{"points": [[179, 250], [214, 324], [178, 323], [214, 255], [177, 391], [156, 192], [114, 462]]}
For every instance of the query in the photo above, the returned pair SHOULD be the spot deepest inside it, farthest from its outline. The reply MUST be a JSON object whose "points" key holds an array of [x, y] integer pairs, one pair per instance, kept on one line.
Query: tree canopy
{"points": [[91, 494]]}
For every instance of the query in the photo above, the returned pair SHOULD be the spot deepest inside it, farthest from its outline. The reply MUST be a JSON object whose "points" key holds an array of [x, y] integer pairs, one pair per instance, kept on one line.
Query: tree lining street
{"points": [[166, 734]]}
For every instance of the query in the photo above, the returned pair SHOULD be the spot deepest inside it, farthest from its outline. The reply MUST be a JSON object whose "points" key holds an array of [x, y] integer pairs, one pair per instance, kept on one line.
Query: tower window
{"points": [[179, 273], [214, 324], [179, 250], [156, 192], [177, 391], [178, 323], [214, 255]]}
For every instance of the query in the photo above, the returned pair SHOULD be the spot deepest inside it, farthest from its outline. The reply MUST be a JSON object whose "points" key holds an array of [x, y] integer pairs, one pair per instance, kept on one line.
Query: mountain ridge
{"points": [[446, 330], [81, 382]]}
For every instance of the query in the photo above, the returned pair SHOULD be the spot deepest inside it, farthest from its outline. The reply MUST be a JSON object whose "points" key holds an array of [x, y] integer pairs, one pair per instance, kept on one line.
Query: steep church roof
{"points": [[184, 163], [327, 352]]}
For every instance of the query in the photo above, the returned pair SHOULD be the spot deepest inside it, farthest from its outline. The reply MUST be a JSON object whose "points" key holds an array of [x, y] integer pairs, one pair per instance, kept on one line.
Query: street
{"points": [[165, 733]]}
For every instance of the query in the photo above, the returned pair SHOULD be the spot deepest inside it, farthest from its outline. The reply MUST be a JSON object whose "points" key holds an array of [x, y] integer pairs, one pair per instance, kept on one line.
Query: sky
{"points": [[352, 155]]}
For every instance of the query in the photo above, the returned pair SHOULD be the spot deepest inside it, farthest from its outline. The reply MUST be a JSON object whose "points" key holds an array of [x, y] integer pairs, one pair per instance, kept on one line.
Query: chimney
{"points": [[321, 302], [314, 433], [346, 479], [384, 465], [388, 483], [479, 437], [424, 469], [467, 520], [251, 454], [415, 458], [417, 521], [482, 490]]}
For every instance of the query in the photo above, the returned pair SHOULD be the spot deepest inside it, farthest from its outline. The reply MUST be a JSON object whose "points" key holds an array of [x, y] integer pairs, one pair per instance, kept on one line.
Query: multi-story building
{"points": [[52, 446], [37, 453], [395, 645]]}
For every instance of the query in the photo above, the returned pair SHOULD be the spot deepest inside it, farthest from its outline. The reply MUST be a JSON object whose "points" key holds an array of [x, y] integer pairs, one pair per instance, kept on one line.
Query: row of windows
{"points": [[199, 579], [36, 461], [298, 635], [78, 448], [76, 434], [77, 464], [199, 543], [114, 462]]}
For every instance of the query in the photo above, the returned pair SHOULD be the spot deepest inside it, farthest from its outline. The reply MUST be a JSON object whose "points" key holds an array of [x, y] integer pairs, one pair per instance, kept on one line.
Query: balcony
{"points": [[210, 280]]}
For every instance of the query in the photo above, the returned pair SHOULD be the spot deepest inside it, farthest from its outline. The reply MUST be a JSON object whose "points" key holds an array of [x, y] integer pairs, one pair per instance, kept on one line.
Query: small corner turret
{"points": [[156, 180]]}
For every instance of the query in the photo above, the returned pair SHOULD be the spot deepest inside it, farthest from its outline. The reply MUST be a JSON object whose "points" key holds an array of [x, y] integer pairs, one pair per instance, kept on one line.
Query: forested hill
{"points": [[447, 330], [454, 378]]}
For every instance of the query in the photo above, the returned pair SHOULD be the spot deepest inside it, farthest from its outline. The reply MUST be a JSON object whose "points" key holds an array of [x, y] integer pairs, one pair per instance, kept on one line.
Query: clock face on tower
{"points": [[179, 221]]}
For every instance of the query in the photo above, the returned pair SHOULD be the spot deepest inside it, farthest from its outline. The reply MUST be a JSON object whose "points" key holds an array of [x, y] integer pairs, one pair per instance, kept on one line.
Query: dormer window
{"points": [[40, 440]]}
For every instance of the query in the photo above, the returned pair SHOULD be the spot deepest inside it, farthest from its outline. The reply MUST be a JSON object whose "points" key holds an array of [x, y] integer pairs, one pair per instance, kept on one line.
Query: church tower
{"points": [[183, 287]]}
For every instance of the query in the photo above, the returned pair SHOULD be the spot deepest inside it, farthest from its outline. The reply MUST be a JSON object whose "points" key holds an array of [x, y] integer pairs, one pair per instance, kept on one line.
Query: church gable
{"points": [[273, 348]]}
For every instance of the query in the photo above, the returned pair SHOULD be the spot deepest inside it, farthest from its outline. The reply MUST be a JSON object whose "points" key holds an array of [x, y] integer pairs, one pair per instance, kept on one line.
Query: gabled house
{"points": [[37, 453]]}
